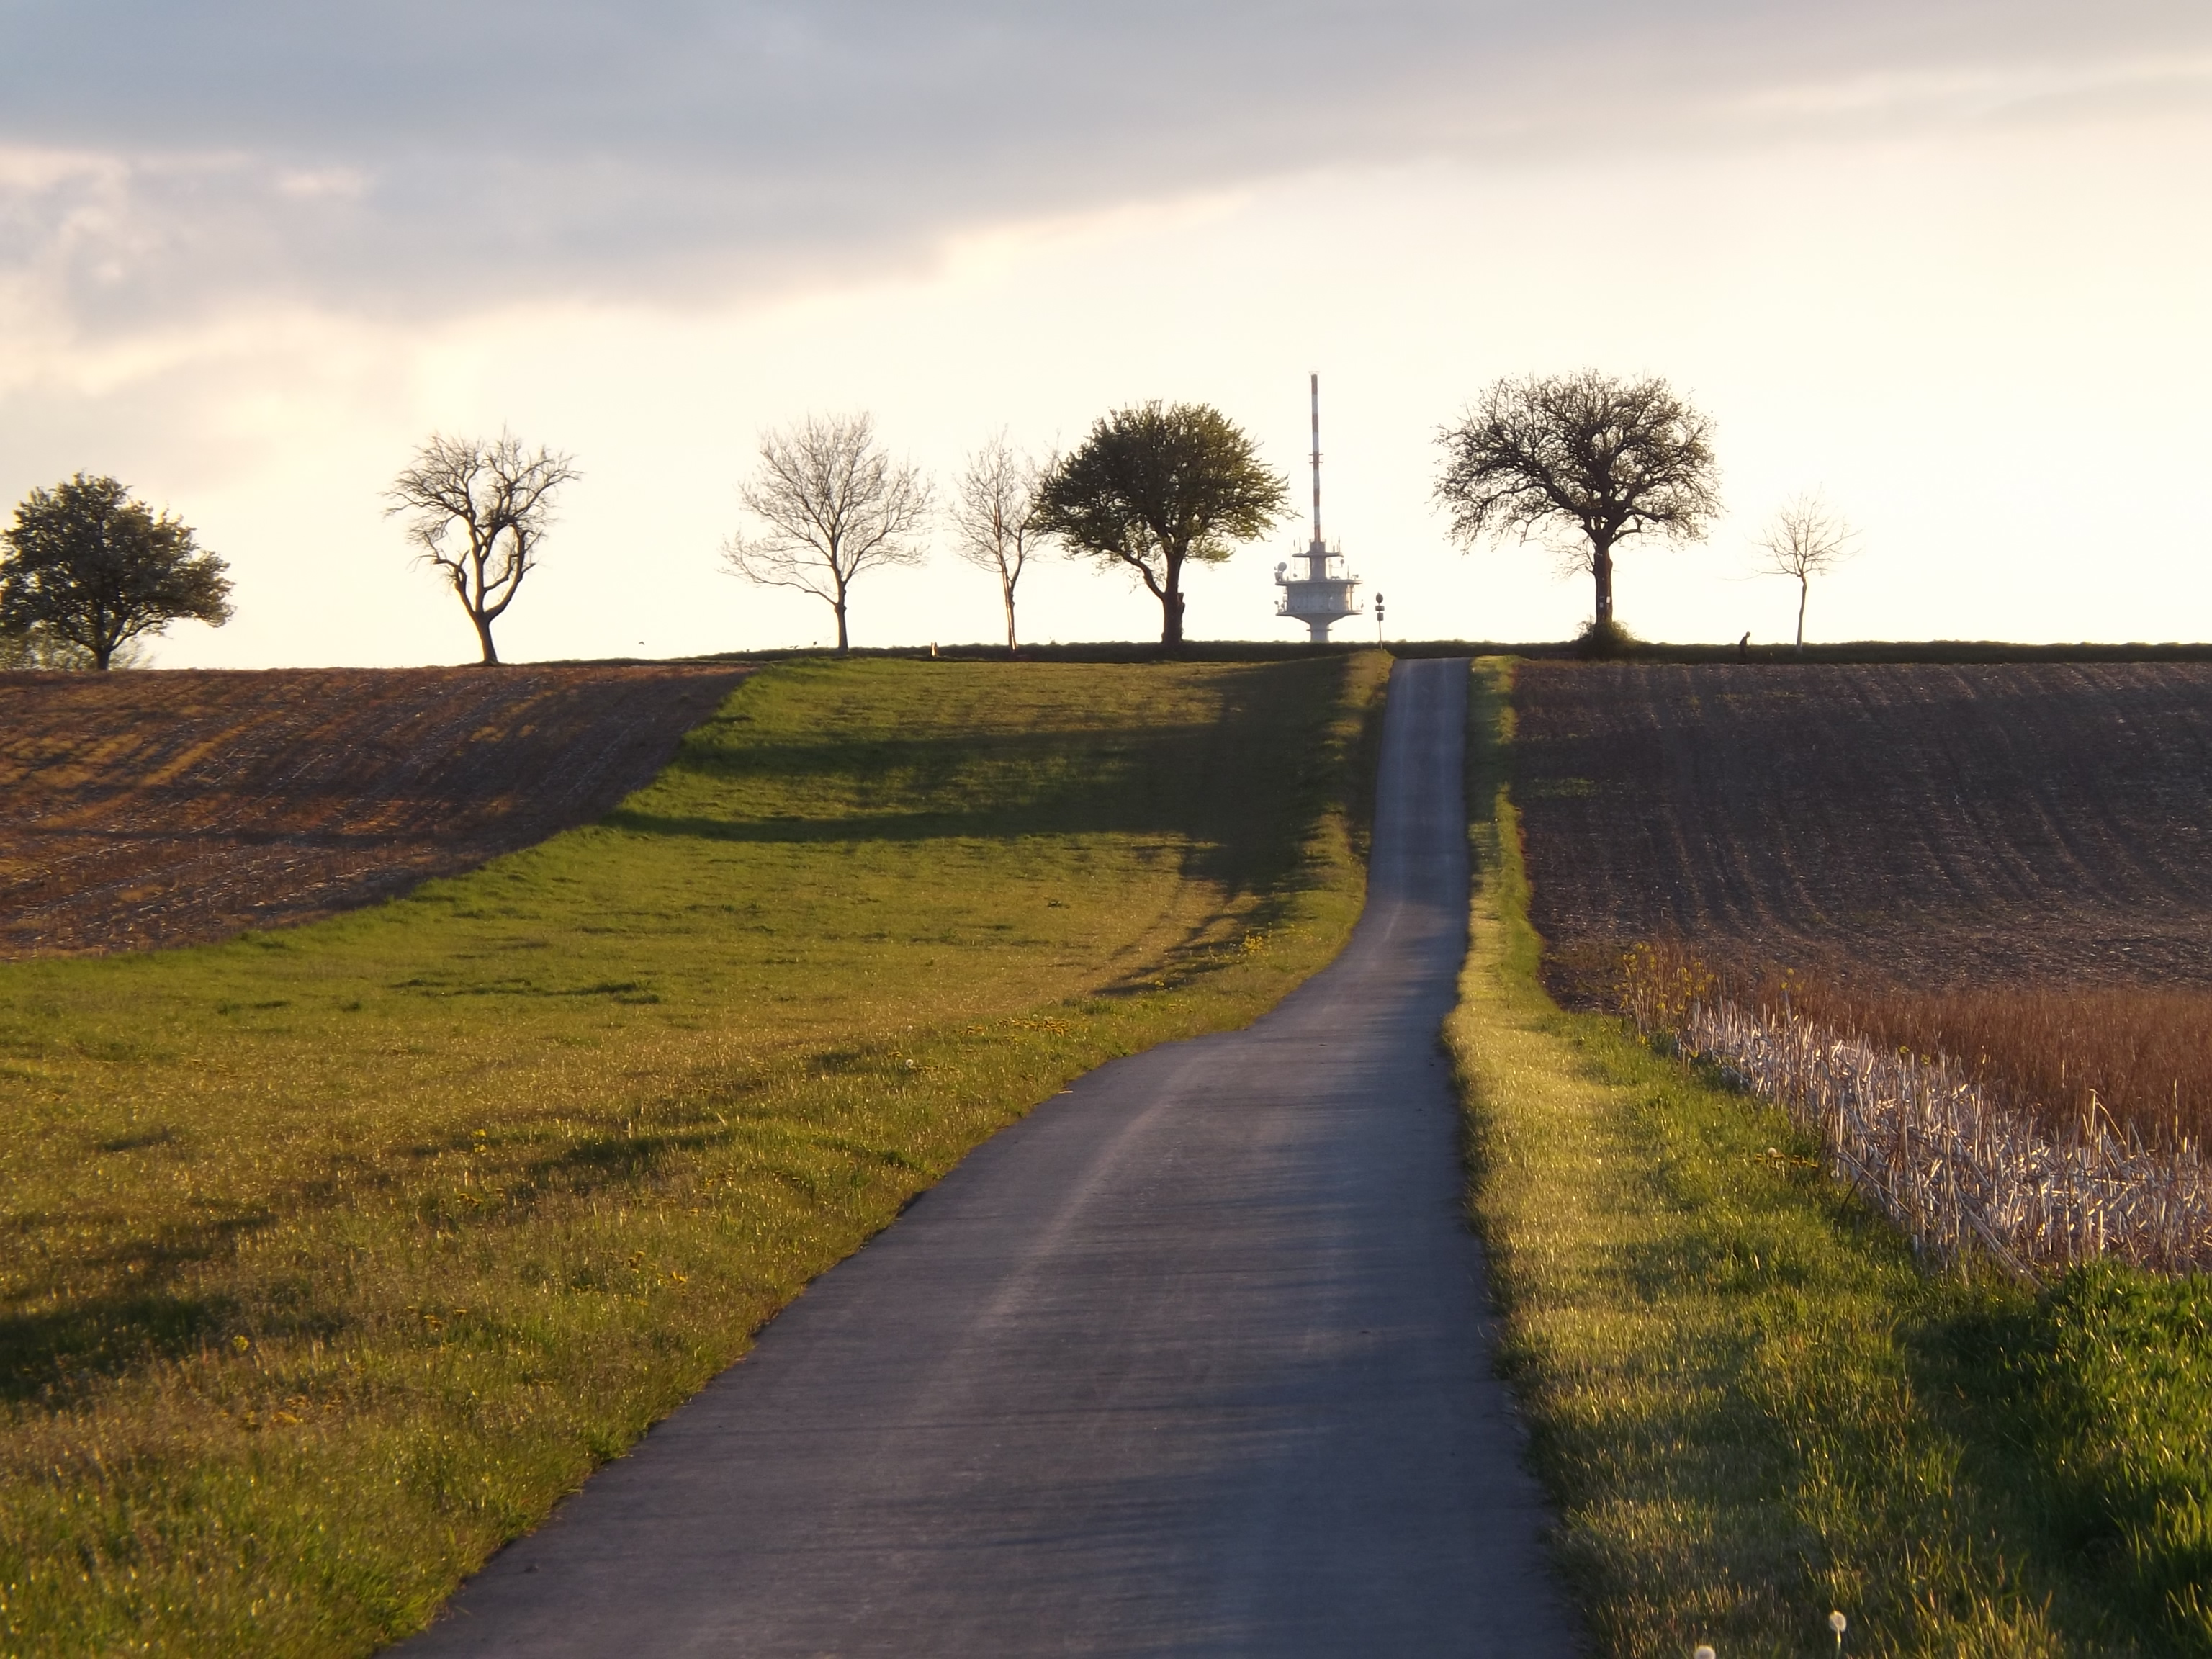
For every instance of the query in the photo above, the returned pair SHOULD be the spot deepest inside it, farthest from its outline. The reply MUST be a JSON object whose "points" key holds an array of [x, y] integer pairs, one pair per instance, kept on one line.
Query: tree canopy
{"points": [[500, 498], [1599, 459], [1156, 486], [830, 503], [89, 567]]}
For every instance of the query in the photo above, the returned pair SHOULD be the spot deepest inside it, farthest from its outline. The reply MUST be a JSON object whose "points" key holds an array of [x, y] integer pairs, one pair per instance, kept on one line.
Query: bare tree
{"points": [[993, 514], [1805, 538], [831, 505], [500, 497], [1599, 458]]}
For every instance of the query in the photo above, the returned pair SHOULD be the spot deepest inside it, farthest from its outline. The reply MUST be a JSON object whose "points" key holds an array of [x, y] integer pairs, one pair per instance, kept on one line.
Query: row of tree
{"points": [[1152, 489], [1585, 463]]}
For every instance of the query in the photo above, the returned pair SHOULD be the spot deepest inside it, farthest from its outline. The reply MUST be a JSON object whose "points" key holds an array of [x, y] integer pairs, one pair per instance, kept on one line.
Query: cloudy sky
{"points": [[1945, 262]]}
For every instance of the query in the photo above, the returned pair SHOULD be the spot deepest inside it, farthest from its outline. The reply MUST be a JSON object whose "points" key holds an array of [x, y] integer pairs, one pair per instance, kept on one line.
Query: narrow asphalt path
{"points": [[1192, 1360]]}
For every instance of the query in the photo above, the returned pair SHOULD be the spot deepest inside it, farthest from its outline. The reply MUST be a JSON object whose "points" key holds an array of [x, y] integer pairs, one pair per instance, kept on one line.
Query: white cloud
{"points": [[2043, 90], [404, 157]]}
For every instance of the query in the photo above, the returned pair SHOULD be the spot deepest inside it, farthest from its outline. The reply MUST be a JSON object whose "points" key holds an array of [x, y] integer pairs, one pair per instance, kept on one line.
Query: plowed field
{"points": [[1918, 826], [168, 808]]}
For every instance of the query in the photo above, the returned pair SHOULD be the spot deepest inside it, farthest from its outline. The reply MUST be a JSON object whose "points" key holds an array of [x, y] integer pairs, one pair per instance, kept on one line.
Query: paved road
{"points": [[1193, 1360]]}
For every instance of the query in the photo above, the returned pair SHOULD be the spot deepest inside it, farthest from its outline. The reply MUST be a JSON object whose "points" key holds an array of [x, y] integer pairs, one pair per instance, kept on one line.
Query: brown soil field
{"points": [[1915, 827], [163, 808]]}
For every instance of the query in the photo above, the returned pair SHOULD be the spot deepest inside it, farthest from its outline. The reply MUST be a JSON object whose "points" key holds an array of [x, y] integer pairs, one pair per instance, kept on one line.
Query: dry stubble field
{"points": [[2010, 866], [1925, 826], [172, 809]]}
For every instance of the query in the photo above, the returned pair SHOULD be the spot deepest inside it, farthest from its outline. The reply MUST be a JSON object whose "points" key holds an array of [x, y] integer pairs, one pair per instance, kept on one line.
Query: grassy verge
{"points": [[1751, 1406], [334, 1257]]}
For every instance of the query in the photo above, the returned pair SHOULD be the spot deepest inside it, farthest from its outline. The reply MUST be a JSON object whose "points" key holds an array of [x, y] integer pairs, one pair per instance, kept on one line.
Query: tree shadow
{"points": [[613, 1158], [101, 1336], [1244, 794], [124, 1329]]}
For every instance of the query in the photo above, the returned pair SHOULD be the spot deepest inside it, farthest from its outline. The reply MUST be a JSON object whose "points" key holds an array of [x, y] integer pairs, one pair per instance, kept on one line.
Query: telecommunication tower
{"points": [[1322, 595]]}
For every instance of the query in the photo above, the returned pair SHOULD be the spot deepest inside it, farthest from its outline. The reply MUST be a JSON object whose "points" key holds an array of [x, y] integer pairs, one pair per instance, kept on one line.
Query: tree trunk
{"points": [[844, 644], [1007, 588], [484, 634], [1601, 570], [1170, 598], [1804, 592], [1172, 620]]}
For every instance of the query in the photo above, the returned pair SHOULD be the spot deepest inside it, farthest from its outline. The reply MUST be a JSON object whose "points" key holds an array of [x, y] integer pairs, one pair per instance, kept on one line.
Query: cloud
{"points": [[159, 162]]}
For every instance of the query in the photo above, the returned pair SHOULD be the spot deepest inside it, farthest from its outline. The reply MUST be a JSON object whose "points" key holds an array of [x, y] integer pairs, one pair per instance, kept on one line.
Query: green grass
{"points": [[2085, 1411], [1750, 1404], [334, 1257]]}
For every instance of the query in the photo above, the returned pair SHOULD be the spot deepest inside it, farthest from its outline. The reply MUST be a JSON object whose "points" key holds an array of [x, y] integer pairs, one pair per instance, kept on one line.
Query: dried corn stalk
{"points": [[1955, 1170]]}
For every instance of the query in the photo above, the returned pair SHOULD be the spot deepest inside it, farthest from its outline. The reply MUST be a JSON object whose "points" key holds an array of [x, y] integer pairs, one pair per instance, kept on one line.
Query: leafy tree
{"points": [[89, 569], [831, 504], [1599, 459], [1156, 486], [1805, 539], [994, 514], [38, 648], [500, 497]]}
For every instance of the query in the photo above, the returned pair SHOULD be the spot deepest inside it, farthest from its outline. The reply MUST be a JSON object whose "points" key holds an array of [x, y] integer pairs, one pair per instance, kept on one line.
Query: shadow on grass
{"points": [[1221, 786], [595, 1159], [629, 992], [102, 1337], [124, 1330], [2085, 1410], [139, 1140]]}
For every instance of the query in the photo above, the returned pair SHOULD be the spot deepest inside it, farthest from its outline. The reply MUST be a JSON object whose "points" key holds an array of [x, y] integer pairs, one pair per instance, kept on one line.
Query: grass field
{"points": [[334, 1256], [1751, 1406]]}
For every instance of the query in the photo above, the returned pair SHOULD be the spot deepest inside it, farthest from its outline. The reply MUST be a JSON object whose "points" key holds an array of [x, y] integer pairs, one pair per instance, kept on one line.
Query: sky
{"points": [[1945, 262]]}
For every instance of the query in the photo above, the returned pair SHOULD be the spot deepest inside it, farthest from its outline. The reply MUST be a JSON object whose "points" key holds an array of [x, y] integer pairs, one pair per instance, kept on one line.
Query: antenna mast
{"points": [[1321, 596], [1316, 459]]}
